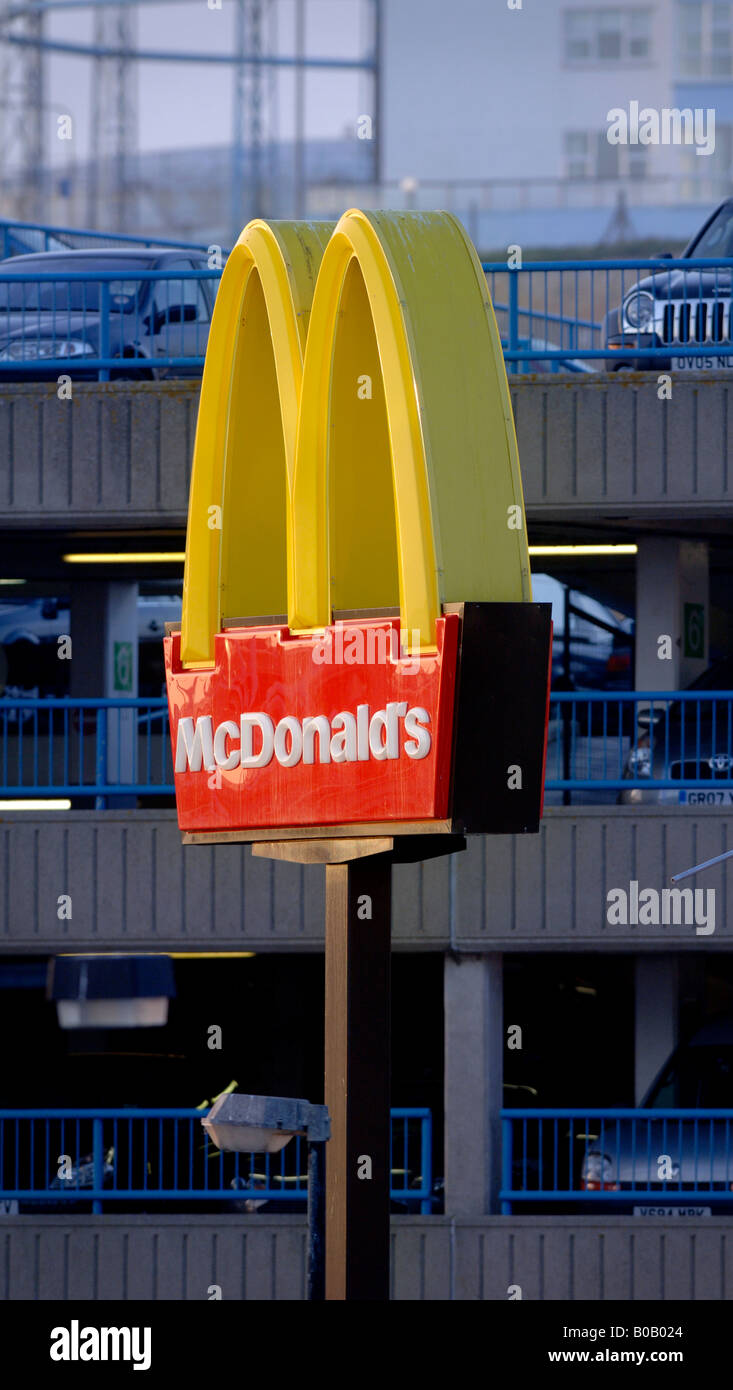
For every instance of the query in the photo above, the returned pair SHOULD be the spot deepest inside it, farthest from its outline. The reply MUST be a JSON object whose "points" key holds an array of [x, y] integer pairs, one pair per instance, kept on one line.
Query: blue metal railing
{"points": [[671, 741], [650, 740], [665, 1156], [142, 1155], [566, 314], [561, 311], [90, 747], [99, 323], [18, 238]]}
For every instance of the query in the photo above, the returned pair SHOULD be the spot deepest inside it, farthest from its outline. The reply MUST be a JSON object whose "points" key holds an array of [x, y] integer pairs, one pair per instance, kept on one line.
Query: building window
{"points": [[588, 155], [577, 154], [722, 19], [639, 33], [705, 39], [607, 36]]}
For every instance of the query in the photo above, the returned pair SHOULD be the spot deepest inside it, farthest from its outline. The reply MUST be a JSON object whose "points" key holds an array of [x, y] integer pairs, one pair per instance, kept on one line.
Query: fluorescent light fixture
{"points": [[13, 582], [112, 1013], [174, 955], [31, 805], [211, 955], [583, 549], [117, 557]]}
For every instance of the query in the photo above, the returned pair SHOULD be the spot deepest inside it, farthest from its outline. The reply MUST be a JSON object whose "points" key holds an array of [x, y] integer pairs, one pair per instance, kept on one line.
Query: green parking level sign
{"points": [[694, 629], [122, 675]]}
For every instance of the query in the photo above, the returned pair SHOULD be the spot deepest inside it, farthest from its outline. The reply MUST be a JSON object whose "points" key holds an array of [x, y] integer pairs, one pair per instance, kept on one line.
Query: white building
{"points": [[496, 109], [505, 105]]}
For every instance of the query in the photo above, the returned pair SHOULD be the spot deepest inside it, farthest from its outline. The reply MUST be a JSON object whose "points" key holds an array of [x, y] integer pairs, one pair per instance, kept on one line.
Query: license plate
{"points": [[684, 1213], [716, 362], [706, 798]]}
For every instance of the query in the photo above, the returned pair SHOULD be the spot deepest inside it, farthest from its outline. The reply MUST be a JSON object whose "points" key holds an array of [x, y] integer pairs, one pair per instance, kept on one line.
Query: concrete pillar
{"points": [[473, 1083], [104, 635], [672, 600], [87, 616], [656, 1017]]}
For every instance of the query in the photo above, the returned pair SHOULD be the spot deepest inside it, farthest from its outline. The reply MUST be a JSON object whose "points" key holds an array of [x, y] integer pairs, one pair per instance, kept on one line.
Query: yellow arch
{"points": [[392, 440], [454, 460], [238, 533]]}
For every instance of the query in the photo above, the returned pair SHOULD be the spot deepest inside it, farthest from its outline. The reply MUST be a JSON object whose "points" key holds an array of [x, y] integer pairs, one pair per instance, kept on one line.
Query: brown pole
{"points": [[357, 1089]]}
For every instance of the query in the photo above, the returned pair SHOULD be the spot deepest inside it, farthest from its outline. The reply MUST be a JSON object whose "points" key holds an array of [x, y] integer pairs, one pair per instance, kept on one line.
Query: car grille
{"points": [[696, 321]]}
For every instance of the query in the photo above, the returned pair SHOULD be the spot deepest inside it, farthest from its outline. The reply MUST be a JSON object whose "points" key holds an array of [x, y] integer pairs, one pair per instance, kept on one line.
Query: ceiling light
{"points": [[583, 549], [31, 805], [111, 991], [122, 557]]}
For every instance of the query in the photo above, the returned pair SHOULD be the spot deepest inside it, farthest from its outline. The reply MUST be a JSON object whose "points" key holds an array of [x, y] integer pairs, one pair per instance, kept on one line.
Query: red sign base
{"points": [[346, 734], [343, 728]]}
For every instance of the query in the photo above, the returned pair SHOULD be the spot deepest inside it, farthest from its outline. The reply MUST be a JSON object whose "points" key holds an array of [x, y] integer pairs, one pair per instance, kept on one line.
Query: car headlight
{"points": [[74, 347], [639, 310], [14, 352], [33, 349], [639, 762]]}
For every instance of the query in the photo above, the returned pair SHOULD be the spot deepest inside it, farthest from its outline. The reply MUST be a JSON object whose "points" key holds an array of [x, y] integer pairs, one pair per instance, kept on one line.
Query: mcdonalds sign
{"points": [[358, 647]]}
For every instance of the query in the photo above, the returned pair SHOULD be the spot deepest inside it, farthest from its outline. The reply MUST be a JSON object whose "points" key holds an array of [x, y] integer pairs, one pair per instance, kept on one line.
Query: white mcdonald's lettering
{"points": [[194, 744], [347, 738]]}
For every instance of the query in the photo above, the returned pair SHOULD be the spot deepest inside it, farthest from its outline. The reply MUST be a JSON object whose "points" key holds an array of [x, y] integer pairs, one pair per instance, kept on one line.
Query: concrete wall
{"points": [[608, 443], [433, 1259], [120, 454], [115, 454], [131, 882]]}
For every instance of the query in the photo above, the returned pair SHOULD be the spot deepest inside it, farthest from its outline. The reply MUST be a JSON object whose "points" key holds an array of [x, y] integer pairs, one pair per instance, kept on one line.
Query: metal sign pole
{"points": [[357, 1087], [357, 1057], [316, 1220]]}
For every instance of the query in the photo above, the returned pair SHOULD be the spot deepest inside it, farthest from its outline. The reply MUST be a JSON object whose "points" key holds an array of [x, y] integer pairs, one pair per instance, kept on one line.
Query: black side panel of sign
{"points": [[503, 678]]}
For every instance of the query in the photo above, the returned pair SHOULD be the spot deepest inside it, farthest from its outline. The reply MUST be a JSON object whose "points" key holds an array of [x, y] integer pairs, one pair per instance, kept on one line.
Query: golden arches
{"points": [[355, 429]]}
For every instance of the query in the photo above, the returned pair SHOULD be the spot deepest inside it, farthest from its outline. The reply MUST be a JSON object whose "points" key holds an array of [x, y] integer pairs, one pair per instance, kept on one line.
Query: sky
{"points": [[182, 105]]}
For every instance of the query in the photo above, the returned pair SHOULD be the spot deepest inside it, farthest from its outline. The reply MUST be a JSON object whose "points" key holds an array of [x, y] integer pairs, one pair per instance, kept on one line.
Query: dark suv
{"points": [[54, 326], [679, 307]]}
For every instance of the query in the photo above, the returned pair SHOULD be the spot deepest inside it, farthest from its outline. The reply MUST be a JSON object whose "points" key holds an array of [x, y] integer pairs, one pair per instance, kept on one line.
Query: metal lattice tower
{"points": [[30, 160], [22, 106], [114, 116], [249, 120]]}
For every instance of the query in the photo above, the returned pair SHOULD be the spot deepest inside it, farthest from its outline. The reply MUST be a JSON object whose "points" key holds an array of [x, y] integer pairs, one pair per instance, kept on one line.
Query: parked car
{"points": [[699, 1160], [63, 320], [679, 741], [29, 632], [679, 306]]}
